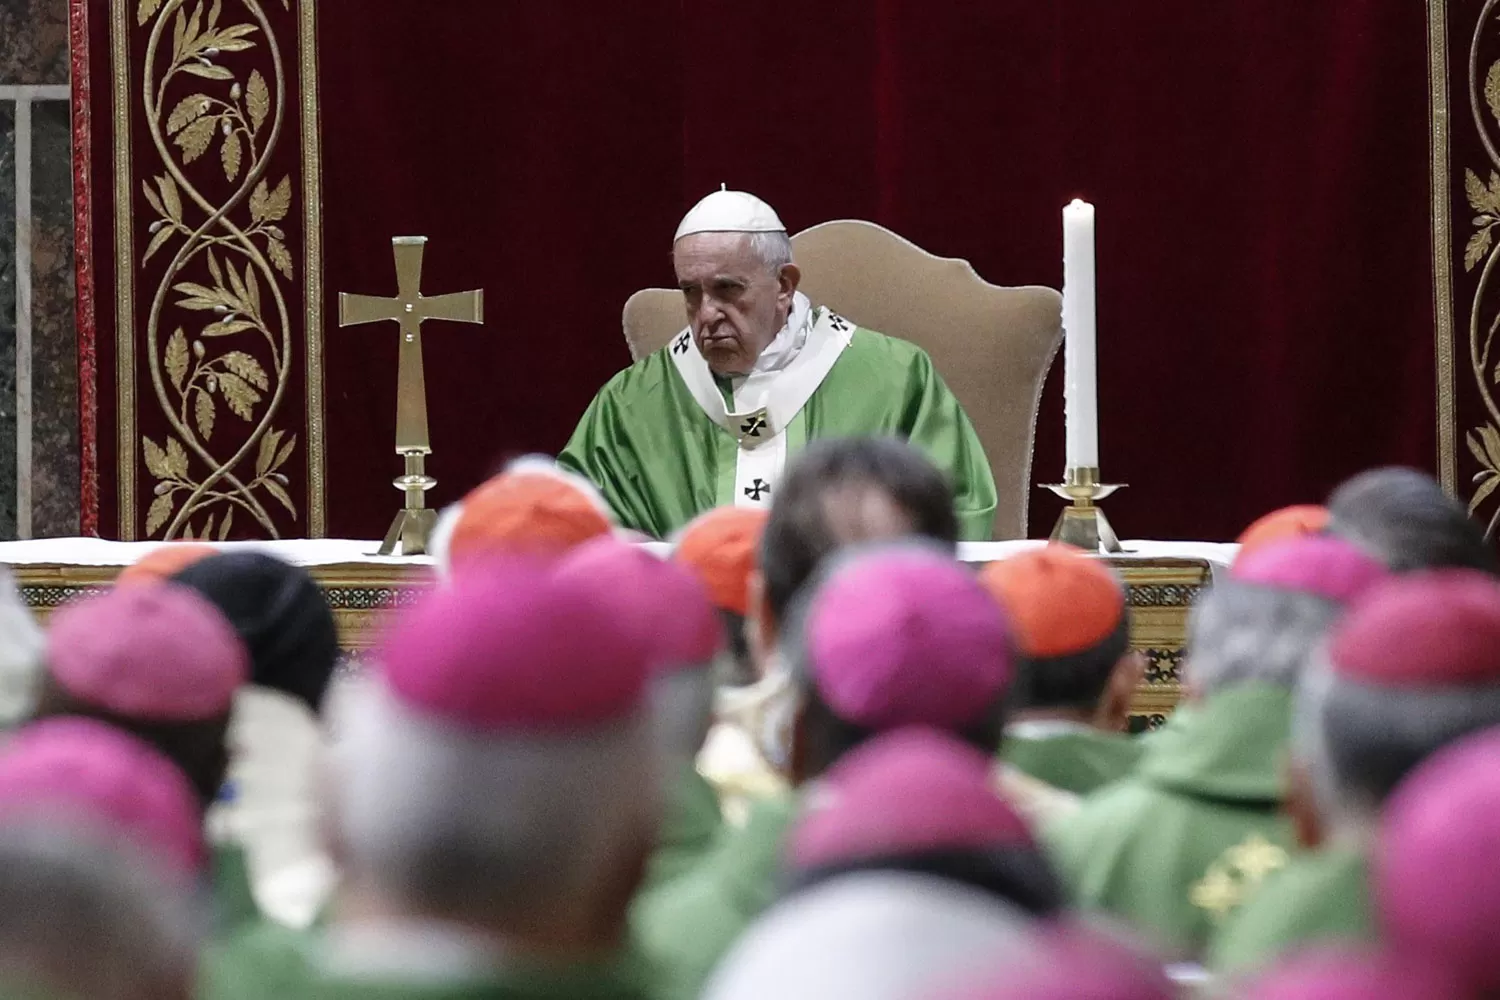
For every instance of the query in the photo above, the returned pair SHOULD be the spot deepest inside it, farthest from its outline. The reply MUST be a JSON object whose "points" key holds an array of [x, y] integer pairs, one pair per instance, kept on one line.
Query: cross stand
{"points": [[410, 308]]}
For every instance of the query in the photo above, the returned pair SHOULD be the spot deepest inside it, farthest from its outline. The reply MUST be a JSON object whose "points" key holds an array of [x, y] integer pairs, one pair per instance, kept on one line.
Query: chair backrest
{"points": [[992, 345]]}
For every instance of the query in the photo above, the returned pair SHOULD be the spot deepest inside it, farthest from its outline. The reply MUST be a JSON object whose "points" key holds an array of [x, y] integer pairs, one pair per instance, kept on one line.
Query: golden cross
{"points": [[410, 308]]}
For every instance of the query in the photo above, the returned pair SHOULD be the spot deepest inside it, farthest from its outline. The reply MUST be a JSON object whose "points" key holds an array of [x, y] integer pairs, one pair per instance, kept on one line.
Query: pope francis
{"points": [[712, 418]]}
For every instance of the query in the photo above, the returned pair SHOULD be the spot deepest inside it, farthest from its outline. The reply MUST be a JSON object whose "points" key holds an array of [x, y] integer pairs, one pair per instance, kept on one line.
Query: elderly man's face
{"points": [[735, 303]]}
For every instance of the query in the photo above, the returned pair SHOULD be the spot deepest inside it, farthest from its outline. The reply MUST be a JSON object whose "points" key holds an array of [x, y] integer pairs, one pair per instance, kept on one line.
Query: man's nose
{"points": [[708, 312]]}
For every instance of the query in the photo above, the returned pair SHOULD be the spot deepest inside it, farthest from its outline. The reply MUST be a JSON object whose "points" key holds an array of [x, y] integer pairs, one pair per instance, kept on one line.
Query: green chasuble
{"points": [[1321, 897], [664, 440], [234, 903], [689, 828], [1180, 842], [1076, 759], [685, 928]]}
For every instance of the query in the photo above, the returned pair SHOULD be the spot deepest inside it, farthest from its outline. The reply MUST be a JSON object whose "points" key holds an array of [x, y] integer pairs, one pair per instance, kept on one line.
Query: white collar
{"points": [[789, 340], [409, 948]]}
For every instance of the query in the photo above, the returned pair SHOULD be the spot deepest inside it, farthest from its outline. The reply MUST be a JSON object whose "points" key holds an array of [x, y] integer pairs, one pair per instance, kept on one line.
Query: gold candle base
{"points": [[414, 522], [1084, 524]]}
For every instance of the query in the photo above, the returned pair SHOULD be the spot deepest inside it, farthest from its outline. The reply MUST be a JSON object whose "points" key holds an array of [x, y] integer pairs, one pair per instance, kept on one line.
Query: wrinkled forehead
{"points": [[702, 256]]}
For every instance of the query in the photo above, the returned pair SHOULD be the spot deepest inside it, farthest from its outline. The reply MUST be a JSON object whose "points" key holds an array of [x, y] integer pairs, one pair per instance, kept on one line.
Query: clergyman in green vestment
{"points": [[712, 418], [1413, 669], [1071, 626], [1177, 846]]}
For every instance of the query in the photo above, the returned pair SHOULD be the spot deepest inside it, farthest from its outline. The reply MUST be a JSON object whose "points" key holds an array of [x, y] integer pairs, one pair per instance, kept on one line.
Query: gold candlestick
{"points": [[1084, 524], [409, 308]]}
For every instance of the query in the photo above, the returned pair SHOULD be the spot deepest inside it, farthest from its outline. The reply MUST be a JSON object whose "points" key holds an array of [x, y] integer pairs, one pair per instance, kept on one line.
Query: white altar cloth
{"points": [[343, 551]]}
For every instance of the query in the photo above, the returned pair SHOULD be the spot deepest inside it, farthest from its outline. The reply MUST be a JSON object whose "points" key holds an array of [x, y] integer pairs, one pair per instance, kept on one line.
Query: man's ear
{"points": [[1301, 806], [787, 281], [1113, 714], [761, 632]]}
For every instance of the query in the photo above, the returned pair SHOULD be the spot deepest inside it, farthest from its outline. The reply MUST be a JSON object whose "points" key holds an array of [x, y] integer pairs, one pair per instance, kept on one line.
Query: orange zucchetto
{"points": [[1288, 522], [164, 562], [531, 509], [722, 548], [1058, 600]]}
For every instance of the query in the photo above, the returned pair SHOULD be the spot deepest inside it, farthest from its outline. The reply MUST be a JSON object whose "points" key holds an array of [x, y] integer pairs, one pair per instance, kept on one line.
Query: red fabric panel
{"points": [[1260, 171]]}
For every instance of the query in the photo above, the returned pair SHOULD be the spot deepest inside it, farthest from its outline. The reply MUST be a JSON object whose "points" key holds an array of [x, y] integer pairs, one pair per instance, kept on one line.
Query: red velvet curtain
{"points": [[1260, 172]]}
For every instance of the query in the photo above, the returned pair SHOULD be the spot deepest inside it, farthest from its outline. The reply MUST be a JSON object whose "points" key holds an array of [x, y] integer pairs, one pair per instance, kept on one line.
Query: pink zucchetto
{"points": [[1073, 961], [904, 635], [159, 653], [512, 646], [1353, 975], [907, 791], [1319, 565], [79, 772], [1439, 629], [1436, 885], [660, 600]]}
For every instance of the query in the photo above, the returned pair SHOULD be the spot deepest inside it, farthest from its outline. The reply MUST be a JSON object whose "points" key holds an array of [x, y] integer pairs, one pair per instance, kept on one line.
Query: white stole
{"points": [[765, 403]]}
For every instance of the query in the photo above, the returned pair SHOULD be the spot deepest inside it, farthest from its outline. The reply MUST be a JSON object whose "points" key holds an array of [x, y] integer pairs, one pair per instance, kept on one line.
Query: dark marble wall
{"points": [[7, 320], [54, 346], [34, 50], [33, 41]]}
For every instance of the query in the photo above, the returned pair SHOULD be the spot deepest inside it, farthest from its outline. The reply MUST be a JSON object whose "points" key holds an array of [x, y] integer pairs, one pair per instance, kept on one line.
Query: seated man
{"points": [[495, 799], [712, 418], [1415, 668], [1175, 846], [898, 636], [1077, 673]]}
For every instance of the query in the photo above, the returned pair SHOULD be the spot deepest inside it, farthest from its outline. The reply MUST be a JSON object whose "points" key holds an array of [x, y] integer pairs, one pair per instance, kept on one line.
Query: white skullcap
{"points": [[729, 212], [876, 935]]}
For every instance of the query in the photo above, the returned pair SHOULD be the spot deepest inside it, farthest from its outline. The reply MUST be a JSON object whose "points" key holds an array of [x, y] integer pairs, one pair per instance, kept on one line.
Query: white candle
{"points": [[1080, 391]]}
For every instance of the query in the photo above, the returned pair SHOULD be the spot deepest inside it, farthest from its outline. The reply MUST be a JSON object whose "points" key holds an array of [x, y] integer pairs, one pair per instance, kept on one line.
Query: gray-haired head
{"points": [[772, 249], [1240, 633], [80, 918], [515, 831], [873, 935], [1359, 740], [1404, 519]]}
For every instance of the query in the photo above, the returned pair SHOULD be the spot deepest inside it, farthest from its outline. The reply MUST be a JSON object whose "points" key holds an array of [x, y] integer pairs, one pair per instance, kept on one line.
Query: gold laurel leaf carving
{"points": [[177, 358]]}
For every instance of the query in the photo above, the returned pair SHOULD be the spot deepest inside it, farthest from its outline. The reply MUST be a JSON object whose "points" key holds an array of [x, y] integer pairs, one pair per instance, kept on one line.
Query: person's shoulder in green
{"points": [[885, 385], [1079, 761], [690, 827], [1070, 623], [262, 961], [1321, 897], [686, 925]]}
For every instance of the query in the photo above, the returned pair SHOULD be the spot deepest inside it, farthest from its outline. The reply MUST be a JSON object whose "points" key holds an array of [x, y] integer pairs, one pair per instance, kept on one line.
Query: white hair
{"points": [[1359, 740], [84, 918], [873, 935], [482, 826], [772, 249], [1240, 632]]}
